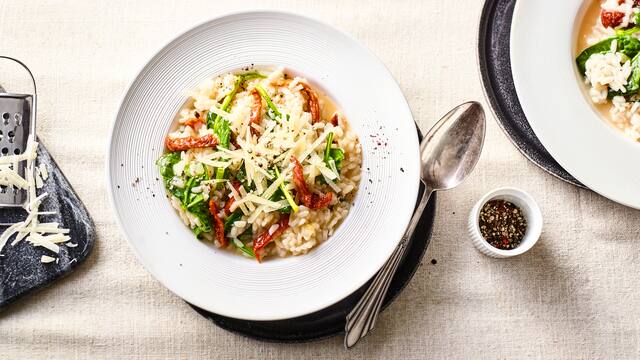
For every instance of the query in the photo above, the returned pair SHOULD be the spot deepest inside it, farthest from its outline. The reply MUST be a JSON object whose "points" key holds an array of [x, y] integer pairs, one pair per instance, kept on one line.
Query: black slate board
{"points": [[20, 268], [495, 68], [331, 321]]}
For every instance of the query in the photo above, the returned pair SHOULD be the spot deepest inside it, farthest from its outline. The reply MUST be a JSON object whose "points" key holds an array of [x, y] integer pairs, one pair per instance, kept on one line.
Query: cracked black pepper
{"points": [[502, 224]]}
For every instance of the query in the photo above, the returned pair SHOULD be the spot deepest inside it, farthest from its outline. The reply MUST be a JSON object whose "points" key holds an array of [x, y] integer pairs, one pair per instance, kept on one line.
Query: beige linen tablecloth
{"points": [[572, 296]]}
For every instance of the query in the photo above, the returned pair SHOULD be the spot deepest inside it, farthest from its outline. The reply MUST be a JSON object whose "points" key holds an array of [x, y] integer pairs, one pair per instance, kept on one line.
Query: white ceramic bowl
{"points": [[226, 283], [550, 90], [530, 210]]}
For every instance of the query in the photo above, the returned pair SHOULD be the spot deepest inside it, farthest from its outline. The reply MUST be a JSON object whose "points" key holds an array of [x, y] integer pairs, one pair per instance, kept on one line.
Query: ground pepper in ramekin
{"points": [[505, 222]]}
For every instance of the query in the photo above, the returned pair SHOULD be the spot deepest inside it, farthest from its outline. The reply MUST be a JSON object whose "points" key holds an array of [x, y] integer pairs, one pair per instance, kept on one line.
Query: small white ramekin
{"points": [[530, 210]]}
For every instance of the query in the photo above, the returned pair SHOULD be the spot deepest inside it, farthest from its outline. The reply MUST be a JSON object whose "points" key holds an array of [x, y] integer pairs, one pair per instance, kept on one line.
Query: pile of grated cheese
{"points": [[45, 235]]}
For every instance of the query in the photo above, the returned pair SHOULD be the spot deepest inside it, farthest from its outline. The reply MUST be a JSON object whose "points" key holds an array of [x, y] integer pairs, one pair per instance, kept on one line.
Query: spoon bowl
{"points": [[450, 150]]}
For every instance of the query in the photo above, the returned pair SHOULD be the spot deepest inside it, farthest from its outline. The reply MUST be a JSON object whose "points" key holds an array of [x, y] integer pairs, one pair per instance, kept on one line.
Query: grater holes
{"points": [[3, 189], [18, 118], [5, 151], [16, 151], [11, 134], [5, 118]]}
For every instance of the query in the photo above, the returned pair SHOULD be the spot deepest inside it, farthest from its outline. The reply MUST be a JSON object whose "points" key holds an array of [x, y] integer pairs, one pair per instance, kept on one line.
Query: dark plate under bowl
{"points": [[494, 61]]}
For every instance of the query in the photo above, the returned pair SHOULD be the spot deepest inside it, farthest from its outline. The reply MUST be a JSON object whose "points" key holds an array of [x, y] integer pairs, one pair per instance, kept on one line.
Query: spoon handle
{"points": [[363, 317]]}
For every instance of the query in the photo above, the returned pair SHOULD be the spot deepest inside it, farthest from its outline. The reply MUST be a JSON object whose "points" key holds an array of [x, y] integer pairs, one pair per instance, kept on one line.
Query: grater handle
{"points": [[32, 126], [33, 81]]}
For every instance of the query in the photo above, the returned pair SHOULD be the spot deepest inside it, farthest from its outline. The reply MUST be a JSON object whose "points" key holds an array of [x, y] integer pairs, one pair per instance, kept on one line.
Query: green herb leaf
{"points": [[244, 248], [166, 162], [222, 130], [228, 222], [633, 83], [287, 195], [201, 211], [252, 75], [196, 200], [630, 31], [337, 155], [187, 191], [327, 148], [626, 44], [247, 235], [272, 107]]}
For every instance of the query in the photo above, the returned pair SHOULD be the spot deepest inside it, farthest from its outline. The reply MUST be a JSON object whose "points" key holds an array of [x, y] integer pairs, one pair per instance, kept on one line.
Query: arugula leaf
{"points": [[244, 248], [222, 130], [285, 194], [166, 162], [327, 148], [626, 44], [633, 83], [201, 211], [630, 31], [247, 235], [337, 155], [228, 222], [252, 75], [196, 200], [272, 107], [193, 203]]}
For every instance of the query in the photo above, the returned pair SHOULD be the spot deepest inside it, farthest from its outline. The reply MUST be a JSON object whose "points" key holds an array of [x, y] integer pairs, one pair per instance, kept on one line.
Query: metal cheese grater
{"points": [[17, 123]]}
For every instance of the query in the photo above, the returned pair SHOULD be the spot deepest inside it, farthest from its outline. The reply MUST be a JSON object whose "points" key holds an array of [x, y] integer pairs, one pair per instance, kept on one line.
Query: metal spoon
{"points": [[448, 154]]}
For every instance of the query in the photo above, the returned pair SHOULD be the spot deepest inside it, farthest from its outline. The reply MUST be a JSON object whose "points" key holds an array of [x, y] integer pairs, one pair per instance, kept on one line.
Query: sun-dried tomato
{"points": [[256, 110], [611, 19], [265, 238], [194, 122], [217, 224], [190, 142], [335, 119], [309, 199], [312, 102]]}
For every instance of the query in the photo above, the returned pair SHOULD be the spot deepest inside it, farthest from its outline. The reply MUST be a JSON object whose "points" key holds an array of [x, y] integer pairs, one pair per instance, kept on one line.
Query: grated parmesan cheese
{"points": [[46, 235]]}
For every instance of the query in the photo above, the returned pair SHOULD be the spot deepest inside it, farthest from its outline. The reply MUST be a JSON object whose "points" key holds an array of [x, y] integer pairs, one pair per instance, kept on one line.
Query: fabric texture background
{"points": [[572, 296]]}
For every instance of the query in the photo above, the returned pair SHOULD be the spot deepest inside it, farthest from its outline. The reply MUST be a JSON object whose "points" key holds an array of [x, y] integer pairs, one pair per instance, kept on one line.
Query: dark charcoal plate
{"points": [[20, 268], [495, 69], [330, 321]]}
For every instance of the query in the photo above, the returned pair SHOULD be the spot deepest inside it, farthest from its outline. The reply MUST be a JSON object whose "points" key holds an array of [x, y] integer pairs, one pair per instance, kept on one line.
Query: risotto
{"points": [[609, 60], [262, 163]]}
